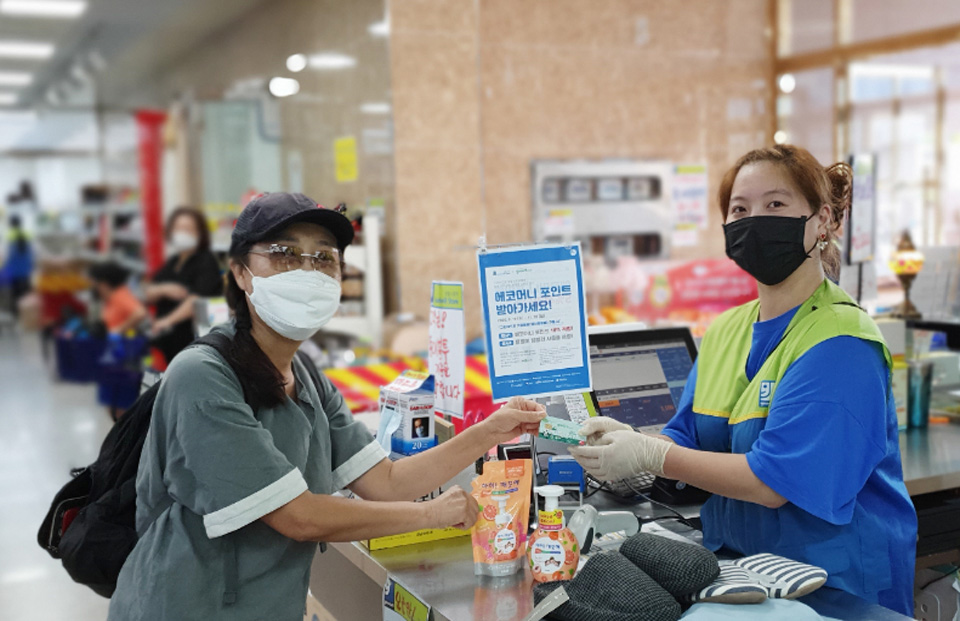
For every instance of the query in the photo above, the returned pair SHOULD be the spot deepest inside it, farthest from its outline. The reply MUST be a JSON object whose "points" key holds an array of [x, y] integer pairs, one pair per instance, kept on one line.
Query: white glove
{"points": [[595, 427], [622, 454]]}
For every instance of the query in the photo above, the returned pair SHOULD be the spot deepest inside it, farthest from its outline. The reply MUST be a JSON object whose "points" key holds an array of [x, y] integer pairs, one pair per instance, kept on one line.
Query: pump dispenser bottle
{"points": [[554, 551]]}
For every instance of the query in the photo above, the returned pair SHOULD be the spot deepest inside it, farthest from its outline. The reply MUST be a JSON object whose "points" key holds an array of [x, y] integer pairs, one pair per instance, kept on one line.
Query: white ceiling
{"points": [[136, 38]]}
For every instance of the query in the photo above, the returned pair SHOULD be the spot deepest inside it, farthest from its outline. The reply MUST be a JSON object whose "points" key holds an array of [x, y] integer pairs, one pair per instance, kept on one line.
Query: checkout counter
{"points": [[348, 579]]}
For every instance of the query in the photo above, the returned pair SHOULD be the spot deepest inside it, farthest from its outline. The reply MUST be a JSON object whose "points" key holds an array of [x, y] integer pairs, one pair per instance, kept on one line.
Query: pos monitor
{"points": [[639, 374]]}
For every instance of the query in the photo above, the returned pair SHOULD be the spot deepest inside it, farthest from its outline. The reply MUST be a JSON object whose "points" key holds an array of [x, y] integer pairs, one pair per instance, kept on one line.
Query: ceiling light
{"points": [[331, 60], [788, 83], [780, 137], [379, 29], [8, 99], [26, 49], [297, 62], [375, 107], [43, 8], [15, 78], [284, 87]]}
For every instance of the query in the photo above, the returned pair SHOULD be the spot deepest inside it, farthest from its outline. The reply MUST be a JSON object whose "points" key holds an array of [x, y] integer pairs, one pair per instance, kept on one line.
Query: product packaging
{"points": [[406, 414], [500, 534], [554, 549]]}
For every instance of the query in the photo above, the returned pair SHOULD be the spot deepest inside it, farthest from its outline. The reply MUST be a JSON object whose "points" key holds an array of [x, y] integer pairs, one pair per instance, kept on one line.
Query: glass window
{"points": [[805, 26], [805, 116], [877, 20]]}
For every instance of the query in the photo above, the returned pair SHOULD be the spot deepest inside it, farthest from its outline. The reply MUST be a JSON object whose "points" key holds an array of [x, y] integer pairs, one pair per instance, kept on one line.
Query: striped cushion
{"points": [[783, 577], [734, 585]]}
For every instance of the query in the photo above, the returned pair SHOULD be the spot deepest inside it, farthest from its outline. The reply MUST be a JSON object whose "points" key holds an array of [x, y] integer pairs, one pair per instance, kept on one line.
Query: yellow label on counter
{"points": [[408, 606], [417, 536]]}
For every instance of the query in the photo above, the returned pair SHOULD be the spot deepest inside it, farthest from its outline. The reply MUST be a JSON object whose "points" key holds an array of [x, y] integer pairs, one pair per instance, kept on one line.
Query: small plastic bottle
{"points": [[554, 550]]}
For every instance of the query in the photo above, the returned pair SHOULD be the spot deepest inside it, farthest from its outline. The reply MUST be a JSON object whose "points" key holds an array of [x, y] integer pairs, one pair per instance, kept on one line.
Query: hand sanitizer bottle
{"points": [[554, 551]]}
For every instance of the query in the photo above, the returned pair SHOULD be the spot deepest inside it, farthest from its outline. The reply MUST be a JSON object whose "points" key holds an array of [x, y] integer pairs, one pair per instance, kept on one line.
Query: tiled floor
{"points": [[46, 428]]}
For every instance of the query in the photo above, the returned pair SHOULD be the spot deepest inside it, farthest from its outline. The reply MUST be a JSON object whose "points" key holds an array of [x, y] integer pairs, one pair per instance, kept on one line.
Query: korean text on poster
{"points": [[535, 321], [447, 351], [691, 202]]}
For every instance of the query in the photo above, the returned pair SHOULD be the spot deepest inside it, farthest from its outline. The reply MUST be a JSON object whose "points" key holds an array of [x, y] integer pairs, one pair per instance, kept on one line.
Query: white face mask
{"points": [[296, 303], [181, 241]]}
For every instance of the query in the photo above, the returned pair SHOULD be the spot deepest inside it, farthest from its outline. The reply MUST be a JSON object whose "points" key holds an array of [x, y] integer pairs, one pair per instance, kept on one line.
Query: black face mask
{"points": [[769, 248]]}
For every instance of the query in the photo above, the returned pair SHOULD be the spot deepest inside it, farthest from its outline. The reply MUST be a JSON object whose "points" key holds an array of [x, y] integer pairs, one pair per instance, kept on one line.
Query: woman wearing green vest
{"points": [[787, 416]]}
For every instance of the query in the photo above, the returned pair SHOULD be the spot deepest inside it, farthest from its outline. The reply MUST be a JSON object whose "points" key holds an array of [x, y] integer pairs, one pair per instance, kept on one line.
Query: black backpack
{"points": [[91, 522]]}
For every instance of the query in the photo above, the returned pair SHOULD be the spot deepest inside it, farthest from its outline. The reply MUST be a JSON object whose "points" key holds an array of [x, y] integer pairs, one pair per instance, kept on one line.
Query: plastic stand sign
{"points": [[534, 313], [399, 604], [448, 350]]}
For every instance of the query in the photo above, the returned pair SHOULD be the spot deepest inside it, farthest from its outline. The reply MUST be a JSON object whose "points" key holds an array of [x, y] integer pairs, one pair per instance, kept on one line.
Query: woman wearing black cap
{"points": [[231, 499]]}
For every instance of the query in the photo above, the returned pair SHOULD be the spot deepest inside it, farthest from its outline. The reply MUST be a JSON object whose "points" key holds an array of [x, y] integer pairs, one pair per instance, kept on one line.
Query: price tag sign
{"points": [[448, 349], [399, 604]]}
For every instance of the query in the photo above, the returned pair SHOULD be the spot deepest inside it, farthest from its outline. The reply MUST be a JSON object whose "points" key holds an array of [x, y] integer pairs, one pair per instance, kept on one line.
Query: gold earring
{"points": [[822, 244]]}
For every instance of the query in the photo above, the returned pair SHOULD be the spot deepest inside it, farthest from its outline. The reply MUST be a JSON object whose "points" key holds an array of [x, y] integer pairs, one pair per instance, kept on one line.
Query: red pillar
{"points": [[150, 143]]}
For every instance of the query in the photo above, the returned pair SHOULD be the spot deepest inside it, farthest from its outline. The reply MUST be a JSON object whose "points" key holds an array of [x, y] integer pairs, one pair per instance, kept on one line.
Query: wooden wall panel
{"points": [[504, 82]]}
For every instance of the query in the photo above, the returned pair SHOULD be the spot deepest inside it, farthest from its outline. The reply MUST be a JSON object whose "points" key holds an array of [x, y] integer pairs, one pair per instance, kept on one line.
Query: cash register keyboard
{"points": [[629, 488]]}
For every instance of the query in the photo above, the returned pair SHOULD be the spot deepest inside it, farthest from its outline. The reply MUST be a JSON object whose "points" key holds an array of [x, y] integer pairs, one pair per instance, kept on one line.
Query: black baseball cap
{"points": [[269, 213]]}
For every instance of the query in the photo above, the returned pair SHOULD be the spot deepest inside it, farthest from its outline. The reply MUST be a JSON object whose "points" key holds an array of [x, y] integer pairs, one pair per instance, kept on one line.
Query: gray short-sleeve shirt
{"points": [[210, 469]]}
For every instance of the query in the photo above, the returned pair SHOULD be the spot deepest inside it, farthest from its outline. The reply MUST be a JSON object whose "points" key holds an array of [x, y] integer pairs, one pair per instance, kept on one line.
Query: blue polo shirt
{"points": [[830, 446]]}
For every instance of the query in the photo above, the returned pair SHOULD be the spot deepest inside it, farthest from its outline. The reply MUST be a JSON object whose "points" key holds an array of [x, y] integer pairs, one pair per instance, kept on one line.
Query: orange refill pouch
{"points": [[500, 534]]}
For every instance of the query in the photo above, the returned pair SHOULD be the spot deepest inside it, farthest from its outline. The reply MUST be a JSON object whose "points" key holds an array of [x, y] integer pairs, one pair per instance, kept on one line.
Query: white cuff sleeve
{"points": [[255, 506], [355, 467]]}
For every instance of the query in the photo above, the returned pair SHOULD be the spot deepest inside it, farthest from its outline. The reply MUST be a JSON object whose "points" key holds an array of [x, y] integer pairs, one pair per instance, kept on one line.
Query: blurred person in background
{"points": [[245, 450], [787, 417], [19, 264], [192, 271], [121, 310]]}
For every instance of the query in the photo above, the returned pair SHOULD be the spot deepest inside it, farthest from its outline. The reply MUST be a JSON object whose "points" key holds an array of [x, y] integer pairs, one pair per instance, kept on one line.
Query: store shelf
{"points": [[90, 255], [356, 256], [58, 235], [131, 264], [124, 209], [123, 236], [368, 326], [355, 326]]}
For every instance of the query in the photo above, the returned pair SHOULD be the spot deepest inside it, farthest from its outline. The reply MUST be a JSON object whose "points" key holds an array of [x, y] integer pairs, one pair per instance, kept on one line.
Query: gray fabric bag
{"points": [[680, 568], [611, 588]]}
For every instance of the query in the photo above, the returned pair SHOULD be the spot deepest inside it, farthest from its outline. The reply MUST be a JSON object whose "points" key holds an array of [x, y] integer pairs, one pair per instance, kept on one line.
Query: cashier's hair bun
{"points": [[840, 177]]}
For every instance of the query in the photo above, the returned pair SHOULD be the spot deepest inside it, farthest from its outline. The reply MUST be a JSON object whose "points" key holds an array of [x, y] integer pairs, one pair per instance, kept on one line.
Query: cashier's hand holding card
{"points": [[517, 417]]}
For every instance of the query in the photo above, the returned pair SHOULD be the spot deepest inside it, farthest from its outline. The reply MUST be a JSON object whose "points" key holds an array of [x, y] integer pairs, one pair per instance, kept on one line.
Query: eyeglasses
{"points": [[287, 258]]}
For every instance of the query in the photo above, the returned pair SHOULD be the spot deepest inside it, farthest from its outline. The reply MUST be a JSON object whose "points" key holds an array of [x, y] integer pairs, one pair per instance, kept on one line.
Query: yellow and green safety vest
{"points": [[722, 388]]}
